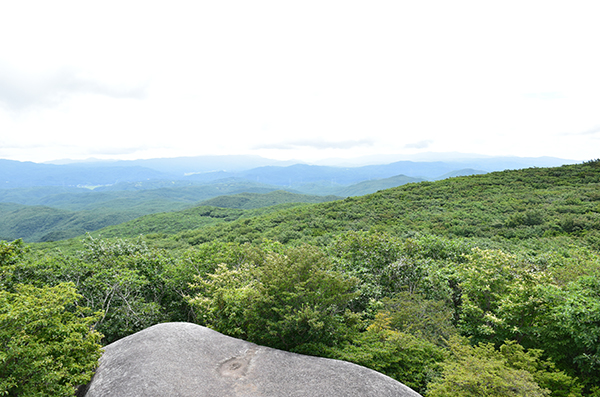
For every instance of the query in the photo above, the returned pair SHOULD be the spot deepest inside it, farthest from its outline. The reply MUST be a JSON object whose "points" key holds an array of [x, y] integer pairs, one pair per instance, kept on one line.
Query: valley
{"points": [[437, 284]]}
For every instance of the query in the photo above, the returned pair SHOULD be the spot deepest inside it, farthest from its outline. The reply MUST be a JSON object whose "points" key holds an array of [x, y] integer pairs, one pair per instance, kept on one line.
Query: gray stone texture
{"points": [[188, 360]]}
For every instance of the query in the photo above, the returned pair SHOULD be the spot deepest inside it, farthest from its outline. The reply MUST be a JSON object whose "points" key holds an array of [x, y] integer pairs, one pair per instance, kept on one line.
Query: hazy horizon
{"points": [[359, 160], [309, 81]]}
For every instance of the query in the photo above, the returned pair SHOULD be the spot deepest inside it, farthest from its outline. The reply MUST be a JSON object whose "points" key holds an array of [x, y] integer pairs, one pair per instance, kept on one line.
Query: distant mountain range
{"points": [[207, 169], [42, 202]]}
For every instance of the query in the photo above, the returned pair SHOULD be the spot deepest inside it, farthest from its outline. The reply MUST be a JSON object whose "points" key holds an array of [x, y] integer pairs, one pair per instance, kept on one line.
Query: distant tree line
{"points": [[387, 281]]}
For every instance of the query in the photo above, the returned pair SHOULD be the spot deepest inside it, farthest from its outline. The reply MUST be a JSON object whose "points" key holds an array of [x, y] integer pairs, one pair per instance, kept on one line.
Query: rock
{"points": [[186, 360]]}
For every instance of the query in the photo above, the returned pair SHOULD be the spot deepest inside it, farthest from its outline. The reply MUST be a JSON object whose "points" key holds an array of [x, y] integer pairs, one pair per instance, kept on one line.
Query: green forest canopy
{"points": [[478, 285]]}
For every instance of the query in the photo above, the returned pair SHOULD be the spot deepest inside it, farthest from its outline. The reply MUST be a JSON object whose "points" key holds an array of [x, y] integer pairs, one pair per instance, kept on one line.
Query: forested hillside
{"points": [[40, 223], [530, 203], [476, 285], [217, 210], [71, 199], [253, 200], [57, 213]]}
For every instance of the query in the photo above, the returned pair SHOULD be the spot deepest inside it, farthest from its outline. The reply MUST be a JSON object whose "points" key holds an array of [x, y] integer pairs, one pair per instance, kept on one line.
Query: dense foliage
{"points": [[483, 285], [523, 204], [286, 298], [57, 213], [48, 344]]}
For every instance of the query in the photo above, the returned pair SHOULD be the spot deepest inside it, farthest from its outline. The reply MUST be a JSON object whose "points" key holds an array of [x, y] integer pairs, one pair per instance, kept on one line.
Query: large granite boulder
{"points": [[183, 359]]}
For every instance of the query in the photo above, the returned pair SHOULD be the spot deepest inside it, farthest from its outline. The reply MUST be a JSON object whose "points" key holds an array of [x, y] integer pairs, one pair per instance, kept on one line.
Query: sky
{"points": [[303, 80]]}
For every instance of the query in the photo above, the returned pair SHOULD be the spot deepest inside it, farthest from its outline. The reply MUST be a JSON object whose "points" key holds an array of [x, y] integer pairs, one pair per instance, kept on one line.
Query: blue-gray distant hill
{"points": [[305, 177], [160, 195], [180, 166], [56, 201], [14, 174], [205, 169]]}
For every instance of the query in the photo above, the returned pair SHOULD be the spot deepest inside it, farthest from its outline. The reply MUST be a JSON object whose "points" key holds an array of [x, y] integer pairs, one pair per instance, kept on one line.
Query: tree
{"points": [[482, 371], [47, 343], [10, 254], [544, 372], [291, 299], [367, 257], [121, 279], [427, 319], [409, 359], [499, 296], [570, 331]]}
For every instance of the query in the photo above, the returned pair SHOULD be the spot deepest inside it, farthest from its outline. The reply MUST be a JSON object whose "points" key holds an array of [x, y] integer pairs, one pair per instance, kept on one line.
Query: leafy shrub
{"points": [[291, 300], [407, 358], [508, 372], [48, 345]]}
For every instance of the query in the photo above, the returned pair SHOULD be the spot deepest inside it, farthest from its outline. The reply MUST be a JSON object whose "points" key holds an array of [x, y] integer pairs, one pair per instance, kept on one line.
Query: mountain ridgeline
{"points": [[484, 284], [46, 202], [15, 174], [521, 204]]}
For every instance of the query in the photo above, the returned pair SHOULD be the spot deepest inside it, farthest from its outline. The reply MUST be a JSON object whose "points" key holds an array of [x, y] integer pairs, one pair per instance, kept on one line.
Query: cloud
{"points": [[419, 145], [20, 91], [4, 144], [548, 96], [317, 144], [6, 147], [592, 131], [111, 151]]}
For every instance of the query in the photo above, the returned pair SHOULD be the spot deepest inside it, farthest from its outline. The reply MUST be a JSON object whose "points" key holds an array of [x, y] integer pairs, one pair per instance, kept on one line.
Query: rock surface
{"points": [[188, 360]]}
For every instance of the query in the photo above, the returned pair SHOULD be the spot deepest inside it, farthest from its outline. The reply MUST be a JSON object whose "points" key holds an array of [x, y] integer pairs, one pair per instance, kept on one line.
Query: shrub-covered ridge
{"points": [[391, 281]]}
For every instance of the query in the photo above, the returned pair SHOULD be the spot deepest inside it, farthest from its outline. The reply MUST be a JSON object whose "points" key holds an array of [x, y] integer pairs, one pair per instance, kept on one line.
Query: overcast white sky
{"points": [[298, 79]]}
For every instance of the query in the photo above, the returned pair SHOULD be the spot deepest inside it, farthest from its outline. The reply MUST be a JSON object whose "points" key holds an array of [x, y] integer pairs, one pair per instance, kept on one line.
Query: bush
{"points": [[289, 300], [484, 371], [48, 344]]}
